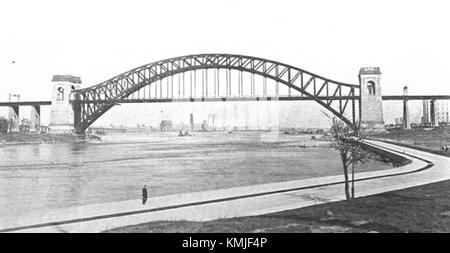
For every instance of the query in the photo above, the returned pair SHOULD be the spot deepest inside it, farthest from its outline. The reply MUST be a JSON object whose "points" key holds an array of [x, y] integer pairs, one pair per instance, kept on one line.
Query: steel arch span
{"points": [[92, 102]]}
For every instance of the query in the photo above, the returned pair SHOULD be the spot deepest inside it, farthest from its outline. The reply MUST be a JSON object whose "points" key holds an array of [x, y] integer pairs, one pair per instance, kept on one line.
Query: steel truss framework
{"points": [[92, 102]]}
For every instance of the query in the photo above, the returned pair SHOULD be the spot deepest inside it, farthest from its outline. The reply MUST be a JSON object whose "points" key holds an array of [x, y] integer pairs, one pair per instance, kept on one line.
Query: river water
{"points": [[47, 176]]}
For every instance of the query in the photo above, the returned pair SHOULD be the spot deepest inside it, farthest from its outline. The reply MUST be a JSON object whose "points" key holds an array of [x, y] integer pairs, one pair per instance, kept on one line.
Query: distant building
{"points": [[442, 111], [211, 120], [399, 121], [191, 121], [3, 125], [426, 112]]}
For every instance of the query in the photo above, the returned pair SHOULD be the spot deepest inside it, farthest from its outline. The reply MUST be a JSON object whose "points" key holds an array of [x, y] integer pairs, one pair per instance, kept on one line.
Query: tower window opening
{"points": [[60, 96], [371, 87]]}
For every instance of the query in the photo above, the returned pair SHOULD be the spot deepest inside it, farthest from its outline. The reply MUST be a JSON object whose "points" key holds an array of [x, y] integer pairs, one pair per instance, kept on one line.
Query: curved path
{"points": [[240, 201]]}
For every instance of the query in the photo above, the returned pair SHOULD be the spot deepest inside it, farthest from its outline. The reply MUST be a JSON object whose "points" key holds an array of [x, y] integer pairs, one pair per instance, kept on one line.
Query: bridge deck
{"points": [[219, 99], [416, 97], [223, 99], [26, 103]]}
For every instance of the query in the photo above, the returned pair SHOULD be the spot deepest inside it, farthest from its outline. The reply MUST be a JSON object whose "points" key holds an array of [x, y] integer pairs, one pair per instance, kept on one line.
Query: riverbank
{"points": [[418, 209], [31, 138]]}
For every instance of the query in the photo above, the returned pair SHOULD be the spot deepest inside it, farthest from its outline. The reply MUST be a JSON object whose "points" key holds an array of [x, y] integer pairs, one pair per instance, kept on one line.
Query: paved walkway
{"points": [[240, 201]]}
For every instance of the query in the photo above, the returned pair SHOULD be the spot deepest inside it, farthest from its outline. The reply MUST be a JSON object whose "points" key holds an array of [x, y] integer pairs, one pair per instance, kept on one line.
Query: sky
{"points": [[97, 40]]}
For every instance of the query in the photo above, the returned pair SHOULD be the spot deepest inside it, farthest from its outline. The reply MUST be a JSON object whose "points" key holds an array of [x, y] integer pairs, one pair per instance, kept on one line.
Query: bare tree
{"points": [[349, 143]]}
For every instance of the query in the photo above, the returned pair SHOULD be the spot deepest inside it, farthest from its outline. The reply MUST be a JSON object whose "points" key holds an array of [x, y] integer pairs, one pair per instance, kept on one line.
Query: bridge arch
{"points": [[92, 102]]}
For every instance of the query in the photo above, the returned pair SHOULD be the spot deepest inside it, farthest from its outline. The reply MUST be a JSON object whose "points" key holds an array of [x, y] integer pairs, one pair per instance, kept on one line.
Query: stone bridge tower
{"points": [[371, 106], [62, 117]]}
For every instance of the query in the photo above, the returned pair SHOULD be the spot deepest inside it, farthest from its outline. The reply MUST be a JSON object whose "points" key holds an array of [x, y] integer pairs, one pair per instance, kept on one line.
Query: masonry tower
{"points": [[62, 117], [371, 106]]}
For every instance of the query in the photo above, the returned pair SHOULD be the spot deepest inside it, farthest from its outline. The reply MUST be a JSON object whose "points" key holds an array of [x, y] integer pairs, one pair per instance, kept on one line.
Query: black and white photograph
{"points": [[246, 118]]}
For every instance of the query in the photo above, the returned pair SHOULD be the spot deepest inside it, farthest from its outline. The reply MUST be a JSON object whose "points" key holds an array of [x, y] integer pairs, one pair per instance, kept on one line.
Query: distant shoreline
{"points": [[31, 138]]}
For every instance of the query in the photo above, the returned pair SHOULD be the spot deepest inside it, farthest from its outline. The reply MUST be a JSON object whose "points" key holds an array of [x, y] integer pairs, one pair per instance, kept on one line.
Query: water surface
{"points": [[46, 176]]}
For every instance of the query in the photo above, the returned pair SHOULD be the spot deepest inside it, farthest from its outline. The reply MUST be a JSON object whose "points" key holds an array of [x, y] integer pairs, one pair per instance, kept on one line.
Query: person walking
{"points": [[144, 194]]}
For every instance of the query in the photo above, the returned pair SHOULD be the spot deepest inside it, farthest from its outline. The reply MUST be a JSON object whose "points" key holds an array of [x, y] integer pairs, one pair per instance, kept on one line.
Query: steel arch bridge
{"points": [[92, 102]]}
